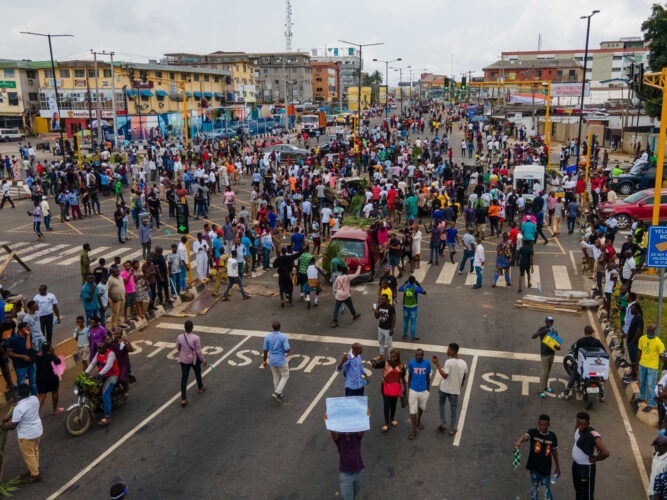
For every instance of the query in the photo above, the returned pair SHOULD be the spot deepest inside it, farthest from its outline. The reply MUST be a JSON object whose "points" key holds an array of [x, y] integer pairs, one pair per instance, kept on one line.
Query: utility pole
{"points": [[55, 82], [113, 103], [98, 112], [386, 76], [583, 82], [361, 63]]}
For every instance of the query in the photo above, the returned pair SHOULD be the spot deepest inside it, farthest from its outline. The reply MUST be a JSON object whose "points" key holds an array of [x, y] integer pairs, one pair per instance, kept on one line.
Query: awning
{"points": [[218, 95], [161, 93], [188, 94], [197, 93], [145, 93], [131, 93], [208, 94]]}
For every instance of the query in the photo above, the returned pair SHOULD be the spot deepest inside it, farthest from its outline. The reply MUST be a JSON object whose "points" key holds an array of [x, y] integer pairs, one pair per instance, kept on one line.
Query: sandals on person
{"points": [[104, 421], [394, 423], [452, 432], [203, 389], [385, 428], [184, 403], [412, 436], [58, 410]]}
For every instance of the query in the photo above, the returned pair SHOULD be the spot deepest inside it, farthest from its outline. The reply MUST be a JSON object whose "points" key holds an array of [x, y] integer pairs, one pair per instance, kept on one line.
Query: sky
{"points": [[438, 36]]}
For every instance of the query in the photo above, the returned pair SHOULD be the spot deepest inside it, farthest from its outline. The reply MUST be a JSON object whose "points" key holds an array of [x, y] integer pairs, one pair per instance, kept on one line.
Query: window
{"points": [[13, 98], [31, 73], [266, 70], [91, 73], [47, 73], [9, 73], [196, 77], [79, 73], [206, 78], [277, 82], [216, 79], [107, 73], [578, 58], [293, 70], [160, 98], [571, 73], [539, 74], [319, 89], [618, 58], [172, 76], [559, 73], [318, 79], [158, 74], [64, 73], [33, 96], [144, 98]]}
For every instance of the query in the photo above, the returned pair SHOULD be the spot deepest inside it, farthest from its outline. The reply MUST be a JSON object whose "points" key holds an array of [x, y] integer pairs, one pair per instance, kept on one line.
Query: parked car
{"points": [[11, 134], [326, 146], [353, 185], [287, 150], [639, 204], [630, 182], [356, 243]]}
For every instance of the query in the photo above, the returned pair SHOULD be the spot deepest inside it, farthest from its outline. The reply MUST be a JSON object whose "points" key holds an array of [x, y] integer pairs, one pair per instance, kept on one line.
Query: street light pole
{"points": [[400, 80], [386, 82], [583, 81], [55, 82], [360, 46]]}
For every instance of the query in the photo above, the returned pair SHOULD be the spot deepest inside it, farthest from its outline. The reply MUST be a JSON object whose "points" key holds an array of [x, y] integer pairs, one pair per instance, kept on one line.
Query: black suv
{"points": [[628, 183]]}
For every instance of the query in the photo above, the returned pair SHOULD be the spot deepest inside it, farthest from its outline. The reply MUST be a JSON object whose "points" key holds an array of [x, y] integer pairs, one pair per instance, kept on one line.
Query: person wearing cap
{"points": [[659, 464], [546, 354]]}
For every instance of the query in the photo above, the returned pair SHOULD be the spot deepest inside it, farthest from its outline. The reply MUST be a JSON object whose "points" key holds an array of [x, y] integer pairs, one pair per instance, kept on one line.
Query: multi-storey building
{"points": [[348, 57], [555, 70], [326, 81], [610, 61], [283, 77], [19, 93]]}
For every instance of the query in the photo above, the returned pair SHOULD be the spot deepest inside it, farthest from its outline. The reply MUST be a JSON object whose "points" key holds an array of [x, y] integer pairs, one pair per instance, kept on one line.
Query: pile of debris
{"points": [[565, 302]]}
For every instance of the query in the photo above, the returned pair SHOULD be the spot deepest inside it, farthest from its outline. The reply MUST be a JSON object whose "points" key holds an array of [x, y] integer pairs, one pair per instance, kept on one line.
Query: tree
{"points": [[655, 36]]}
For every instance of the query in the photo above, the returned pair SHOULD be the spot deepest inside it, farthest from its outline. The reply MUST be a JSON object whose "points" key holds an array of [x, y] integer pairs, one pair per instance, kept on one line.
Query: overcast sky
{"points": [[424, 33]]}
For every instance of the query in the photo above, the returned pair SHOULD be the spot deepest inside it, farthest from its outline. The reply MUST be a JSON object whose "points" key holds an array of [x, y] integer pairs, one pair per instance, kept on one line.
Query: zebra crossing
{"points": [[555, 277], [67, 254]]}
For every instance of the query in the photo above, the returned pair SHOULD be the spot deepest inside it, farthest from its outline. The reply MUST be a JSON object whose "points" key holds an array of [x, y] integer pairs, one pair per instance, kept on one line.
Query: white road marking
{"points": [[314, 402], [137, 428], [109, 257], [20, 244], [446, 274], [34, 256], [97, 250], [62, 254], [466, 401], [561, 278], [534, 279], [420, 272], [471, 278], [621, 409], [574, 263], [348, 341], [501, 279]]}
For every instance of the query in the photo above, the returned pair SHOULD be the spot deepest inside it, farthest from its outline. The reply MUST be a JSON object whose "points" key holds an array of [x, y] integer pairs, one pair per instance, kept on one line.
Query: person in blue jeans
{"points": [[352, 367], [107, 366], [22, 352], [434, 245], [468, 242], [411, 290], [479, 261]]}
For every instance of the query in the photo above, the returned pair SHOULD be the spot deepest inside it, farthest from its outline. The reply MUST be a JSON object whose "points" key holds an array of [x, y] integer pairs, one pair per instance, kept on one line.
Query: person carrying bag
{"points": [[190, 356]]}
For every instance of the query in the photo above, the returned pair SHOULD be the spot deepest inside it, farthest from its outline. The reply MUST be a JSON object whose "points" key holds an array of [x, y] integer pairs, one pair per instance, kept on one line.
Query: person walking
{"points": [[36, 215], [587, 450], [145, 238], [411, 290], [25, 419], [394, 385], [352, 367], [48, 307], [543, 446], [350, 463], [233, 276], [190, 356], [469, 243], [478, 261], [419, 381], [386, 314], [546, 354], [453, 377], [276, 347], [344, 296], [503, 260], [47, 380]]}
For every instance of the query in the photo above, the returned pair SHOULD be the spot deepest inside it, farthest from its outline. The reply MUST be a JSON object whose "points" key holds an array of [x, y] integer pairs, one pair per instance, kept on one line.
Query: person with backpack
{"points": [[588, 449], [411, 290]]}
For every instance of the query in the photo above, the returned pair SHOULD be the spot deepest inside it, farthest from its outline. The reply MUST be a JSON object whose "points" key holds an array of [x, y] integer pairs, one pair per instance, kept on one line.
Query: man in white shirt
{"points": [[233, 277], [479, 261], [48, 305], [453, 377], [629, 268], [26, 421], [182, 252], [178, 170]]}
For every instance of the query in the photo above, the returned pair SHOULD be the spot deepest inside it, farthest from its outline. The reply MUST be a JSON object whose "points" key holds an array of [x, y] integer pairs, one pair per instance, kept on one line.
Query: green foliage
{"points": [[364, 183], [11, 486], [655, 35], [360, 222], [332, 251], [356, 203], [85, 381]]}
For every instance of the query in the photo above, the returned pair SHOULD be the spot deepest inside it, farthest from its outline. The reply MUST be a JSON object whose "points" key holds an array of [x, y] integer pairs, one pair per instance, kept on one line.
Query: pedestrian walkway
{"points": [[67, 254]]}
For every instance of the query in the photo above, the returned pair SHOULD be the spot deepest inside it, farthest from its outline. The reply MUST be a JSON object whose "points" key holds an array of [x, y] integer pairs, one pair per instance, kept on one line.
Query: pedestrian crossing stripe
{"points": [[420, 272], [92, 253], [561, 278], [36, 255], [446, 273], [61, 255]]}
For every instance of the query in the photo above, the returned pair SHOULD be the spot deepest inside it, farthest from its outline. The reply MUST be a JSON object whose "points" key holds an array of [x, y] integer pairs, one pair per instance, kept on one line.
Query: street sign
{"points": [[7, 84], [182, 219], [656, 252]]}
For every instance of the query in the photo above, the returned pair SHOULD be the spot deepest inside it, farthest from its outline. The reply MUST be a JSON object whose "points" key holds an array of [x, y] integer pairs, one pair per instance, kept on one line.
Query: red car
{"points": [[359, 244], [639, 204], [269, 141]]}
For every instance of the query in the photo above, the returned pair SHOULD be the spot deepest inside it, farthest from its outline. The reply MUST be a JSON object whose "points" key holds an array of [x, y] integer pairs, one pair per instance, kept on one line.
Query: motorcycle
{"points": [[587, 385], [80, 415]]}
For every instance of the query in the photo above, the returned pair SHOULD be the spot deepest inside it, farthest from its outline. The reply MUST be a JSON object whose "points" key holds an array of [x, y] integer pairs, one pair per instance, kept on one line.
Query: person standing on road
{"points": [[201, 250], [469, 243], [419, 381], [48, 306], [453, 377], [543, 445], [584, 457], [350, 464], [116, 292], [343, 294], [84, 262], [190, 356], [650, 349], [525, 263], [478, 261], [386, 314], [276, 347], [6, 194], [25, 419], [145, 238], [36, 215], [411, 290], [546, 354], [352, 367], [394, 385], [22, 352]]}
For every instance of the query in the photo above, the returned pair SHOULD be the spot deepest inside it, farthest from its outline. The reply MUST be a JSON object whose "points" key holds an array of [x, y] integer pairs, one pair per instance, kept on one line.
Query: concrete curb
{"points": [[631, 390], [135, 326]]}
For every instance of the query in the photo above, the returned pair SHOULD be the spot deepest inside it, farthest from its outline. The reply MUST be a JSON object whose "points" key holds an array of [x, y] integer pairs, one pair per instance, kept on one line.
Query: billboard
{"points": [[353, 101], [382, 96], [569, 89]]}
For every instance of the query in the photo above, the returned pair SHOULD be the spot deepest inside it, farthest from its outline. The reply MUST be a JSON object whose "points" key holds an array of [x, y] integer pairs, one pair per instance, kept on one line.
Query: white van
{"points": [[11, 134], [527, 175]]}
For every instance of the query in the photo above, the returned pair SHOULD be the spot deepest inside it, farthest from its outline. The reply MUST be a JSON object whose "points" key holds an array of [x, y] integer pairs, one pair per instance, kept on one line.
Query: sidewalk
{"points": [[647, 285]]}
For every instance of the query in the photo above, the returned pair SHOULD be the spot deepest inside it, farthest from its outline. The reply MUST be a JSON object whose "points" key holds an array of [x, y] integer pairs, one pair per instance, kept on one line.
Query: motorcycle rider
{"points": [[107, 367], [588, 341]]}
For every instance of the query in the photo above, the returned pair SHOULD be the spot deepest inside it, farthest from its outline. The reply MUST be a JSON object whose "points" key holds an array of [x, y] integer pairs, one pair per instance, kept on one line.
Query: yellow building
{"points": [[146, 94], [19, 93]]}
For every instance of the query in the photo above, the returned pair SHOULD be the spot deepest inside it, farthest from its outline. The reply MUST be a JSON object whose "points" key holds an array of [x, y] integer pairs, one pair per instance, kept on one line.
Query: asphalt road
{"points": [[233, 441]]}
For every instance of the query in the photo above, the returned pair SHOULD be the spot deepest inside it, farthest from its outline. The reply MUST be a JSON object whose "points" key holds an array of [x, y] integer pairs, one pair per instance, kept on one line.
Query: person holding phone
{"points": [[190, 356]]}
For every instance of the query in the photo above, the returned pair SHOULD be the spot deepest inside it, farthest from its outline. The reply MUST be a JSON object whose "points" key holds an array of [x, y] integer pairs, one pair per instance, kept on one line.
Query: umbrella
{"points": [[104, 124]]}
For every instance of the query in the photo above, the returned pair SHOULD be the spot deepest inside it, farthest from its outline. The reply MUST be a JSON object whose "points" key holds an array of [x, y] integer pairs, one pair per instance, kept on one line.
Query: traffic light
{"points": [[463, 83], [182, 219], [453, 83], [446, 84]]}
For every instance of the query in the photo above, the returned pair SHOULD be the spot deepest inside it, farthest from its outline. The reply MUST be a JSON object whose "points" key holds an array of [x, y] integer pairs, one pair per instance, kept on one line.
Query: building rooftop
{"points": [[536, 64], [24, 63], [148, 67]]}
